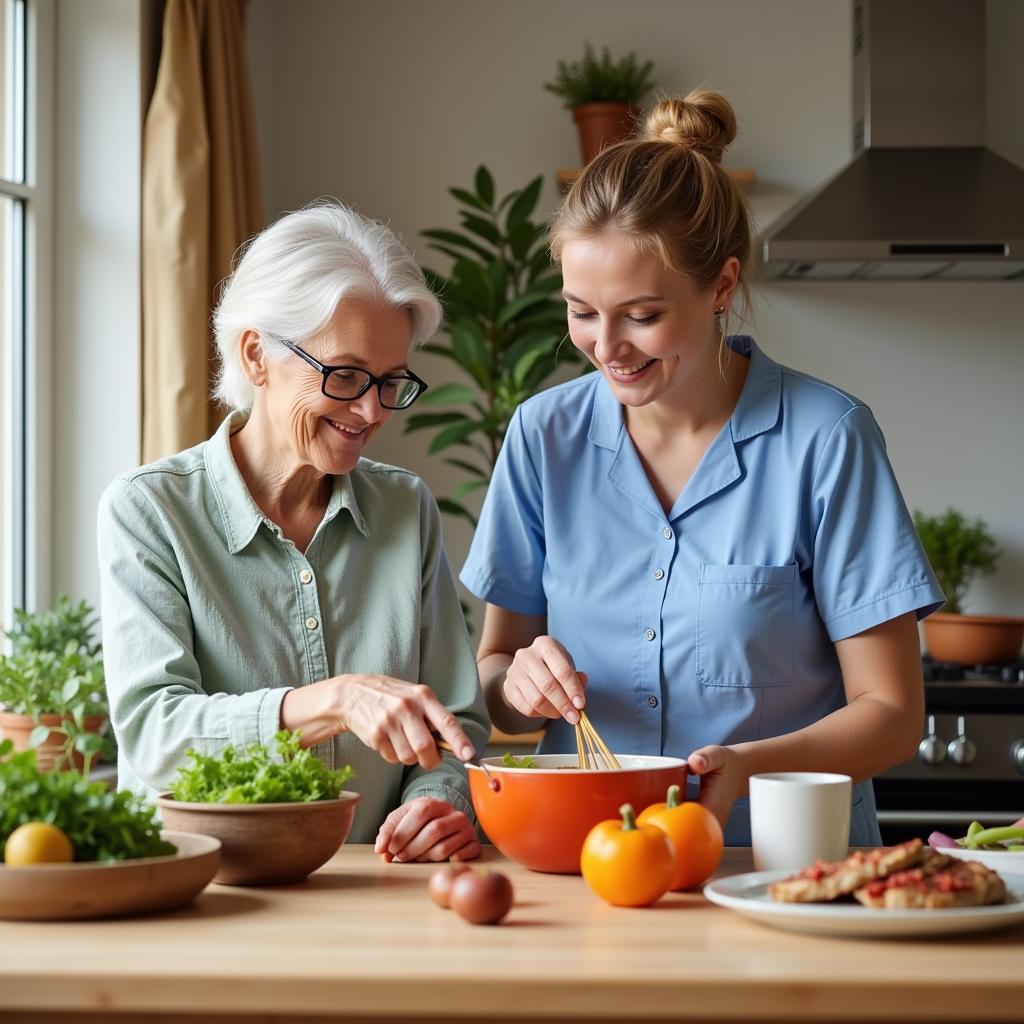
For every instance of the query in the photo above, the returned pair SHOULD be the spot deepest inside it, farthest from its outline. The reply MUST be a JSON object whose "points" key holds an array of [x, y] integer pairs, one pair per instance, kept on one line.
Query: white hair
{"points": [[292, 275]]}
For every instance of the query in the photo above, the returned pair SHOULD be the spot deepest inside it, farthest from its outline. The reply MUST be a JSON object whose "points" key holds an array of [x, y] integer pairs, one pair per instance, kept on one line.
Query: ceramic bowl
{"points": [[143, 885], [540, 816], [1006, 862], [266, 844]]}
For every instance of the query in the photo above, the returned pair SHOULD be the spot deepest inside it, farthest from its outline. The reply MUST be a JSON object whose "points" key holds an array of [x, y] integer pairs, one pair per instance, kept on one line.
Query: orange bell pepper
{"points": [[626, 864], [696, 837]]}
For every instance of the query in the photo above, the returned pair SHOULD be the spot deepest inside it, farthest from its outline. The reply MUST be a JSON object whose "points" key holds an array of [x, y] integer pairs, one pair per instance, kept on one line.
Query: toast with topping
{"points": [[824, 881], [935, 886]]}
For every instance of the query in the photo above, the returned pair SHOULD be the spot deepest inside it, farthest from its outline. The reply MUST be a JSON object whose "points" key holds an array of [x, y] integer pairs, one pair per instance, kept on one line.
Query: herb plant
{"points": [[103, 825], [55, 668], [252, 776], [64, 627], [504, 323], [601, 80], [959, 549]]}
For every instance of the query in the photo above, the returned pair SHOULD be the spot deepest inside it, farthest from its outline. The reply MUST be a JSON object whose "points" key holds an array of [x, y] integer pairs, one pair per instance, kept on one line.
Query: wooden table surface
{"points": [[362, 941]]}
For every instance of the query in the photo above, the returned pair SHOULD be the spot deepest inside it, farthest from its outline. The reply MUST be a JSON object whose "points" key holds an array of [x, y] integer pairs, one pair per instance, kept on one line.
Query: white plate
{"points": [[1008, 861], [748, 895]]}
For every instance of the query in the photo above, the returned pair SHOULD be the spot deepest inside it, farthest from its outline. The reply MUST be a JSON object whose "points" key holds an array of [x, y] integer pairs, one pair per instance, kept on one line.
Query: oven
{"points": [[970, 762]]}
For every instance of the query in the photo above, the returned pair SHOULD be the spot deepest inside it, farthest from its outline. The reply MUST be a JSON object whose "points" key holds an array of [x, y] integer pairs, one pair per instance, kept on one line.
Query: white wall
{"points": [[96, 346], [386, 104]]}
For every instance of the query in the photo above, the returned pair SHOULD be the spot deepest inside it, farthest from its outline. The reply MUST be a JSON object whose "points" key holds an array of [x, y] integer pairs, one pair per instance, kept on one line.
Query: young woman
{"points": [[707, 550]]}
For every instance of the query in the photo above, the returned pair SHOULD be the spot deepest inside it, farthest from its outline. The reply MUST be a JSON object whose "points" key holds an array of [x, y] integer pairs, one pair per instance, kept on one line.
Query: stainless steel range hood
{"points": [[923, 197]]}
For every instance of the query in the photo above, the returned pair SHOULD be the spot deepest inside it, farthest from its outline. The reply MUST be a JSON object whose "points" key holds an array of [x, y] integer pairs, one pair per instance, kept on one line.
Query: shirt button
{"points": [[653, 701], [649, 634], [667, 533], [306, 576], [659, 574], [311, 623]]}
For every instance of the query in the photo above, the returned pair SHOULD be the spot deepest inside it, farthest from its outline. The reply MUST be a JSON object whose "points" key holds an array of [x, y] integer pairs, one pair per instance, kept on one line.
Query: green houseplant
{"points": [[603, 95], [52, 687], [959, 550], [504, 325]]}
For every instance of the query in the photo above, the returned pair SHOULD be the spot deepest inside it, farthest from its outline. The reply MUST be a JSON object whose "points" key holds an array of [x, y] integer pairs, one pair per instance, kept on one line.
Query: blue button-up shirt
{"points": [[716, 622]]}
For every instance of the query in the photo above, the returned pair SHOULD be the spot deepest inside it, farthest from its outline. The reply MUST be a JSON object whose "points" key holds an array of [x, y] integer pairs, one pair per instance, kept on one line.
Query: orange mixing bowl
{"points": [[540, 816]]}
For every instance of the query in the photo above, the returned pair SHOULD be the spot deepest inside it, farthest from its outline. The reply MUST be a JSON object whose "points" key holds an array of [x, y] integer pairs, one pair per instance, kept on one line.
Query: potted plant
{"points": [[603, 95], [959, 550], [52, 688], [505, 327], [279, 815]]}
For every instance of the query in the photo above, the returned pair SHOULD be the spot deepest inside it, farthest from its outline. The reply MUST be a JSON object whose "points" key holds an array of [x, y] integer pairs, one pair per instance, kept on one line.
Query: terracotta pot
{"points": [[973, 639], [601, 125], [266, 844], [540, 816], [18, 728]]}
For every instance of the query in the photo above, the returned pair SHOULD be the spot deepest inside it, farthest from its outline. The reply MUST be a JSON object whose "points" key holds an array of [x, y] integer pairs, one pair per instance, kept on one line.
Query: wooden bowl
{"points": [[145, 885], [266, 844], [973, 639], [540, 816]]}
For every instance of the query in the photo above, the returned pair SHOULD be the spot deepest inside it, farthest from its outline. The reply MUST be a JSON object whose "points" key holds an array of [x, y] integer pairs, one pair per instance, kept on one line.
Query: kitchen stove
{"points": [[970, 762]]}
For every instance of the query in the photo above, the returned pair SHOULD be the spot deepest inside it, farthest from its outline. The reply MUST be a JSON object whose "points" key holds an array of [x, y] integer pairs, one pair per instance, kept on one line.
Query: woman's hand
{"points": [[397, 719], [721, 779], [542, 682], [427, 830]]}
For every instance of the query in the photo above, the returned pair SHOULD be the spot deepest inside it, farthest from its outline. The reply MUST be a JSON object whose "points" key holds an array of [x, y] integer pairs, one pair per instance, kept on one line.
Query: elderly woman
{"points": [[272, 578]]}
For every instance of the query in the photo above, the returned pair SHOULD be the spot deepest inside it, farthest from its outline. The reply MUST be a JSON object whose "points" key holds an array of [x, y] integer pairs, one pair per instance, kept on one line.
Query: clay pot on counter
{"points": [[973, 639]]}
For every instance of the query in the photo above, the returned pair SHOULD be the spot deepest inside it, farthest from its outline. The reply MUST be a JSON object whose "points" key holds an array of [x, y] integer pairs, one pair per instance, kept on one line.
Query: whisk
{"points": [[591, 750]]}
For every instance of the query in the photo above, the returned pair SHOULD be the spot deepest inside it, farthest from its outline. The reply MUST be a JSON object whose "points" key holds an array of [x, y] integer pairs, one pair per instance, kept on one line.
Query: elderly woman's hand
{"points": [[427, 830], [397, 719]]}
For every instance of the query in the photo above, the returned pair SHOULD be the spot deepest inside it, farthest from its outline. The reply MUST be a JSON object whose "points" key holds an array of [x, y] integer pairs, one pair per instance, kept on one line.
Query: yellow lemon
{"points": [[37, 842]]}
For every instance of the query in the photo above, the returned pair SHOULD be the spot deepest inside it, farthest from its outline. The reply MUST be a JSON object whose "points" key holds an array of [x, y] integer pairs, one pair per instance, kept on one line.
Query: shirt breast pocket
{"points": [[745, 625]]}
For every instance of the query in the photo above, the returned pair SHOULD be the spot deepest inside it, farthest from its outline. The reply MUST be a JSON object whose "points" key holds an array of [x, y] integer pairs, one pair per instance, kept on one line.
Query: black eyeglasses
{"points": [[347, 383]]}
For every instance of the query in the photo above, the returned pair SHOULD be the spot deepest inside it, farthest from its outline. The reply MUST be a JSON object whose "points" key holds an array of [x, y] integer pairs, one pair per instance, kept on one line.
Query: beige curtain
{"points": [[200, 201]]}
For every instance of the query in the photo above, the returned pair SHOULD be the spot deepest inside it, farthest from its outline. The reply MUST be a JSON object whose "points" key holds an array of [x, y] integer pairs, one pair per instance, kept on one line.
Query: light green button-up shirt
{"points": [[210, 616]]}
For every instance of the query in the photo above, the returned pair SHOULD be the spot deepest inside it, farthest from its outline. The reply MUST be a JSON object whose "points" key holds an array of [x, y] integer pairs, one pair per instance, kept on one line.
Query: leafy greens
{"points": [[102, 825], [510, 760], [252, 776]]}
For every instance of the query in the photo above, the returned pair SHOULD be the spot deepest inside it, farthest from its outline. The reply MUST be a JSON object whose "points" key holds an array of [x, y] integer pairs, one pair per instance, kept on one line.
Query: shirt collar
{"points": [[756, 411], [240, 515], [760, 401]]}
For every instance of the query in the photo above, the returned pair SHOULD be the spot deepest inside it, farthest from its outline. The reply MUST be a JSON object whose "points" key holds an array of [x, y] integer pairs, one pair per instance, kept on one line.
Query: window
{"points": [[19, 195]]}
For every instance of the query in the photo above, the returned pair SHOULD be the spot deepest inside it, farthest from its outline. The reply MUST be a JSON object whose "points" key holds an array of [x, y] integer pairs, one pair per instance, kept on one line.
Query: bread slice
{"points": [[824, 881], [935, 886]]}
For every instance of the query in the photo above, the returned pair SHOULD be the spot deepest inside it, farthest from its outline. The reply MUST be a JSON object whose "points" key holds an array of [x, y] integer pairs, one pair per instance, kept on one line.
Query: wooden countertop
{"points": [[361, 940]]}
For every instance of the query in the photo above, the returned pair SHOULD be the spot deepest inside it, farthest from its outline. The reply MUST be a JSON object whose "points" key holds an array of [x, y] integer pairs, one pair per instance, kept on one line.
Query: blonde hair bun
{"points": [[703, 121]]}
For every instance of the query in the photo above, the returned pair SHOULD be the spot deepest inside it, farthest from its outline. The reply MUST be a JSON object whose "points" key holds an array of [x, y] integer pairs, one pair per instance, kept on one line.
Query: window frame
{"points": [[26, 580]]}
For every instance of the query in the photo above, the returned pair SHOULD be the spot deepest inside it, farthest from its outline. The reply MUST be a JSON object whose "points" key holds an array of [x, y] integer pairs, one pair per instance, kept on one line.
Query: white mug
{"points": [[797, 818]]}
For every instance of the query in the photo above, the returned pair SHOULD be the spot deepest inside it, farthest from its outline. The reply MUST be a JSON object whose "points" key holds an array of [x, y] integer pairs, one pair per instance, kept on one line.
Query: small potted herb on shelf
{"points": [[279, 815], [959, 550], [604, 96], [52, 687]]}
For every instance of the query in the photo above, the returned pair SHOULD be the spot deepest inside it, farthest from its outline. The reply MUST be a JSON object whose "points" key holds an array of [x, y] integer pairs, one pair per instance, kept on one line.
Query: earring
{"points": [[719, 310]]}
